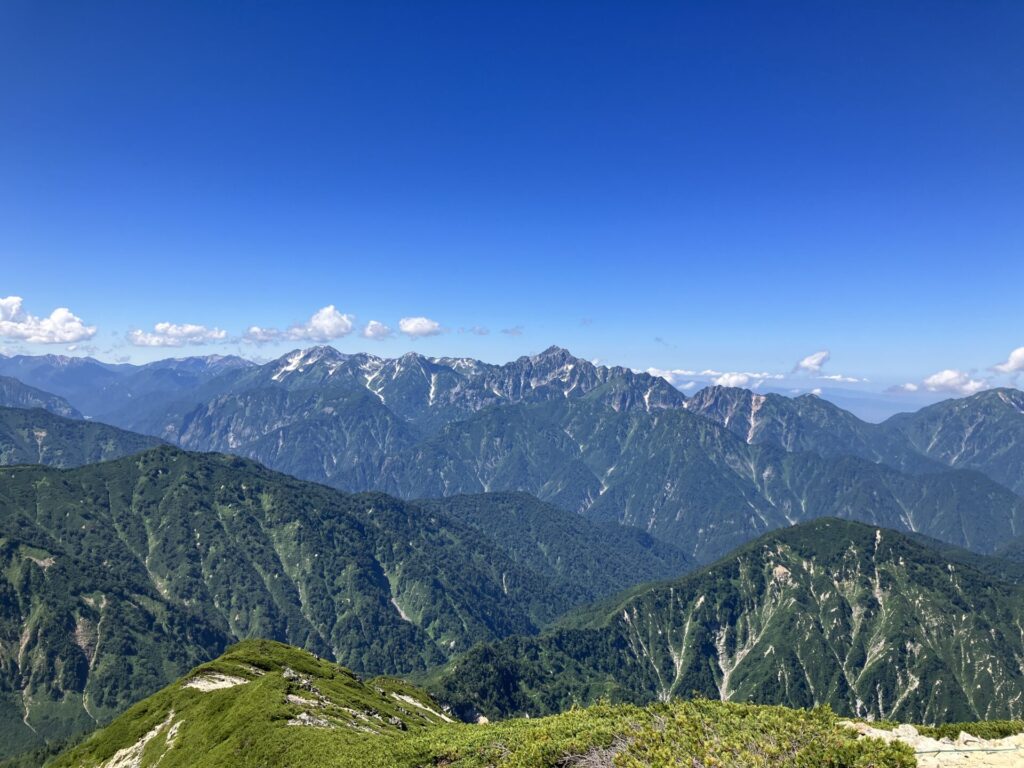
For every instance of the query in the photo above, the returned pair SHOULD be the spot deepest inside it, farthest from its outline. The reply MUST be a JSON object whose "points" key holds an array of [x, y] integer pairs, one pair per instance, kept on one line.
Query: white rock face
{"points": [[131, 757], [214, 681], [413, 702], [966, 752]]}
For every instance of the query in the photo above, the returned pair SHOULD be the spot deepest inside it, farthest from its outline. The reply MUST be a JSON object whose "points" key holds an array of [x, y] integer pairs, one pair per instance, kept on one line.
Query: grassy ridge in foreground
{"points": [[267, 704]]}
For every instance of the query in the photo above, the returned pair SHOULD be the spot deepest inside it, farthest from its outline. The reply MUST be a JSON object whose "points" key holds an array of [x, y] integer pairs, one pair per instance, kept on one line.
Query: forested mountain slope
{"points": [[116, 577], [829, 612], [37, 436]]}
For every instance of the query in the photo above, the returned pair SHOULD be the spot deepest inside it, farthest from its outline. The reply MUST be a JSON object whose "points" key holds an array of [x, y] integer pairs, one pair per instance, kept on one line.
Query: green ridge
{"points": [[287, 708]]}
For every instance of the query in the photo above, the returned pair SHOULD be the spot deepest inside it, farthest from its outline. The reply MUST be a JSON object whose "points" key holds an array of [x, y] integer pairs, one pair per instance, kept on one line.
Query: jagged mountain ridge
{"points": [[706, 473], [830, 612], [430, 392], [421, 393]]}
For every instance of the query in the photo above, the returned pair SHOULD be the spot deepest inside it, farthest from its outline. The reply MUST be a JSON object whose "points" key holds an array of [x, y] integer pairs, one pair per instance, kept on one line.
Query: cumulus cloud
{"points": [[816, 391], [376, 330], [326, 324], [1014, 363], [732, 380], [908, 387], [957, 382], [61, 327], [813, 363], [176, 335], [418, 327]]}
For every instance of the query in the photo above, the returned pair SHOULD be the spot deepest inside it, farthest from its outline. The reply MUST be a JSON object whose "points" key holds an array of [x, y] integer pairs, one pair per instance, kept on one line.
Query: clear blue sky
{"points": [[684, 185]]}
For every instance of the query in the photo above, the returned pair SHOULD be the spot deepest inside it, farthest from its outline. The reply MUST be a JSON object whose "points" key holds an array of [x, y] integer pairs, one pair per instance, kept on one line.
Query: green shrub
{"points": [[983, 729]]}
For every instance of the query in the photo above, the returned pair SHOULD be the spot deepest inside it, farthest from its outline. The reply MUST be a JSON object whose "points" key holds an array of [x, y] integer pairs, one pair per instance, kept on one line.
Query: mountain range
{"points": [[519, 537], [705, 473]]}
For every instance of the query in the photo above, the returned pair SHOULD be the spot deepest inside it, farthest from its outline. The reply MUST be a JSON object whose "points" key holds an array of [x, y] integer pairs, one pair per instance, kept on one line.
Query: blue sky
{"points": [[688, 186]]}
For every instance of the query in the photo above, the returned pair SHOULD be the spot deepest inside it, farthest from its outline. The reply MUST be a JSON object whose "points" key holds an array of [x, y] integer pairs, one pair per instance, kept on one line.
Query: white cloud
{"points": [[61, 327], [684, 379], [418, 327], [732, 380], [326, 324], [1014, 363], [816, 391], [376, 330], [951, 380], [813, 363], [176, 335], [839, 377], [258, 335], [908, 387], [515, 330], [479, 330], [10, 307], [675, 377]]}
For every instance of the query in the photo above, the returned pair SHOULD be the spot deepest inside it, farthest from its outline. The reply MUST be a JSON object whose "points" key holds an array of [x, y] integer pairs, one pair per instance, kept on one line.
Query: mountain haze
{"points": [[14, 394], [113, 392]]}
